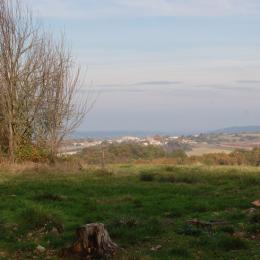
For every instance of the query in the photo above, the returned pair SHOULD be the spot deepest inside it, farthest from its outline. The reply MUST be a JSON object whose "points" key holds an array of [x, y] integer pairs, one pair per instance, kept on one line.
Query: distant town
{"points": [[197, 144]]}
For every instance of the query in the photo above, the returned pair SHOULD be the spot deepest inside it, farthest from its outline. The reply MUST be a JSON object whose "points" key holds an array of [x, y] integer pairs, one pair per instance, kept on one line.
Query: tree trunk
{"points": [[93, 242], [11, 144]]}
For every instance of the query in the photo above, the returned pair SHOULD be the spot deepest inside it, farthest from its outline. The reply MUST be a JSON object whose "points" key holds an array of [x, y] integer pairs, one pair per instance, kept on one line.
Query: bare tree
{"points": [[39, 82], [62, 108]]}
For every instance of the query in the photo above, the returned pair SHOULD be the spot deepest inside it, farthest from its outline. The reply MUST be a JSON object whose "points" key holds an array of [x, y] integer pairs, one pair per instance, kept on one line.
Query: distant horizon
{"points": [[143, 133]]}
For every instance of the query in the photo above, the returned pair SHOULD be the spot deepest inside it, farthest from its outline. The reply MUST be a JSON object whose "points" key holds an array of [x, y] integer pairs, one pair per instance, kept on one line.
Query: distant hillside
{"points": [[238, 129]]}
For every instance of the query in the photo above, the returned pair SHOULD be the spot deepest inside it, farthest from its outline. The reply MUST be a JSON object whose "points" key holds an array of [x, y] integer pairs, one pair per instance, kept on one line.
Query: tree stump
{"points": [[92, 242]]}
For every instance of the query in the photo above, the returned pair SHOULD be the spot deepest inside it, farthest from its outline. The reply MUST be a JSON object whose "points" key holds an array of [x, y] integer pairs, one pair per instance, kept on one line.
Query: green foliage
{"points": [[3, 228], [166, 177], [254, 229], [47, 196], [255, 218], [147, 176], [169, 168], [227, 243], [31, 153], [35, 217], [131, 152], [228, 229], [103, 172], [189, 230], [180, 252], [179, 155], [122, 153], [238, 157]]}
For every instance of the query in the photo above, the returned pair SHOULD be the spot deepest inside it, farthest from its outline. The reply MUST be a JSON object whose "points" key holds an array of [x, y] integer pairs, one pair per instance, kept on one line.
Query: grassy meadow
{"points": [[146, 209]]}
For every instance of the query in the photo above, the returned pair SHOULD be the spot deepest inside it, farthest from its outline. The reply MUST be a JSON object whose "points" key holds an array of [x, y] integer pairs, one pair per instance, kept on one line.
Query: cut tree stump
{"points": [[92, 242]]}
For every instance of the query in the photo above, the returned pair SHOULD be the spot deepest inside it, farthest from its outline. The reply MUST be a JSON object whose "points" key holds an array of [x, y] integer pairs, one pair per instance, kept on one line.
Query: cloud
{"points": [[145, 86], [92, 9], [172, 87], [156, 83], [233, 88], [248, 81]]}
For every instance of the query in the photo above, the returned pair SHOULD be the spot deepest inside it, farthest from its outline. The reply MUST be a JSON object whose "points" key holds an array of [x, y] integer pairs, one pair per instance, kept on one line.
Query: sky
{"points": [[163, 65]]}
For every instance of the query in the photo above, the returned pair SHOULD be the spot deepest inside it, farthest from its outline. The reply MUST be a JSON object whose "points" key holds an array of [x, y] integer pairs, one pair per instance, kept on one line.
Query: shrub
{"points": [[189, 230], [187, 178], [2, 228], [228, 229], [169, 168], [66, 163], [180, 251], [254, 229], [231, 243], [103, 172], [34, 218], [126, 222], [50, 197], [31, 153], [167, 178], [175, 213], [147, 176], [122, 153], [255, 218]]}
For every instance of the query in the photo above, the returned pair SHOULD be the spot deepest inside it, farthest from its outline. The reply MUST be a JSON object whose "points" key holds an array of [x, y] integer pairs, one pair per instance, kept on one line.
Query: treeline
{"points": [[38, 87], [128, 153], [238, 157]]}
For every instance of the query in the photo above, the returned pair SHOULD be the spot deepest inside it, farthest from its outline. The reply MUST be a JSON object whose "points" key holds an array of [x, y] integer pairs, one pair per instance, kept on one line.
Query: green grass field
{"points": [[142, 207]]}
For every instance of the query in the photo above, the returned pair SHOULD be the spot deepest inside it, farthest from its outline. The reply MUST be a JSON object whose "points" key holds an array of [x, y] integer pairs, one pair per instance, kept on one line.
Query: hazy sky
{"points": [[168, 65]]}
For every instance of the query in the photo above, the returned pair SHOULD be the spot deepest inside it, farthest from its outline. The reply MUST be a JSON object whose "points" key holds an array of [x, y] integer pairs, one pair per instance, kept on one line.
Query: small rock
{"points": [[2, 254], [239, 234], [250, 211], [167, 221], [40, 249], [15, 227], [63, 197], [29, 235], [54, 232], [42, 230], [256, 203], [156, 248]]}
